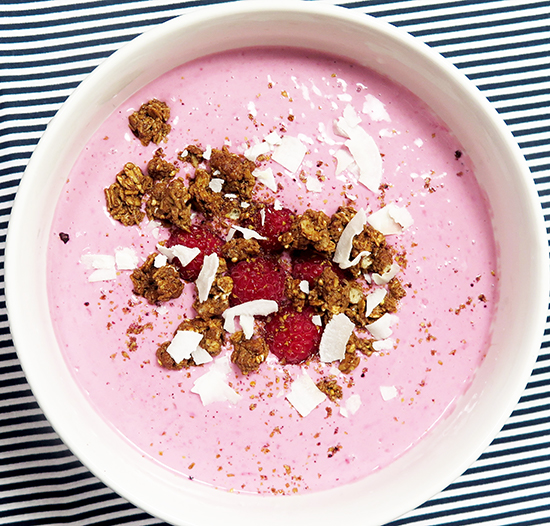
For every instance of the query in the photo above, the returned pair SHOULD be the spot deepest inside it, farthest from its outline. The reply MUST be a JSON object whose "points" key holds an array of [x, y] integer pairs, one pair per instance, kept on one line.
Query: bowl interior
{"points": [[457, 441]]}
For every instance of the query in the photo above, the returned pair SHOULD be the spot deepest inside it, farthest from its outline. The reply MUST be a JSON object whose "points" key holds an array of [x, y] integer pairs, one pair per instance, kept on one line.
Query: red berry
{"points": [[309, 267], [261, 278], [271, 223], [292, 336], [199, 236]]}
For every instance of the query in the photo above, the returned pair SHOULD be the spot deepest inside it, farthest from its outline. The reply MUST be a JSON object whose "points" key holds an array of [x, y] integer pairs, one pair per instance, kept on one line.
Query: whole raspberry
{"points": [[199, 236], [271, 223], [310, 266], [260, 278], [292, 336]]}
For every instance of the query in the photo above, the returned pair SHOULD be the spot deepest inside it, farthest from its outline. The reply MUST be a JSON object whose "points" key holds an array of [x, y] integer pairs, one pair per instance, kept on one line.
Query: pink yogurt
{"points": [[261, 444]]}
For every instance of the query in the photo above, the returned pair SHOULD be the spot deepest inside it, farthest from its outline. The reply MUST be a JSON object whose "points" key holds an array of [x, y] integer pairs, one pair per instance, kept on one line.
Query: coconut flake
{"points": [[216, 185], [367, 157], [251, 308], [102, 274], [206, 276], [304, 286], [335, 338], [126, 258], [277, 205], [317, 320], [290, 153], [183, 344], [247, 233], [98, 261], [304, 395], [388, 392], [381, 328], [353, 403], [345, 243], [373, 300], [160, 260], [391, 219], [343, 160], [183, 253], [314, 185], [266, 177], [383, 345], [207, 152], [272, 139], [200, 356], [386, 277], [247, 325], [258, 149], [375, 109], [212, 386]]}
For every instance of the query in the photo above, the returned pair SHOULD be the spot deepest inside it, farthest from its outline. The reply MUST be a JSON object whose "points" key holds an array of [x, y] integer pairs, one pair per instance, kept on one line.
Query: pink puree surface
{"points": [[262, 444]]}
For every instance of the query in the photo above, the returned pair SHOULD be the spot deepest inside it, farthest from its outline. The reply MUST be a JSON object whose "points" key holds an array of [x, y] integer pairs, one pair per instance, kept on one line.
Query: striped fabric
{"points": [[47, 47]]}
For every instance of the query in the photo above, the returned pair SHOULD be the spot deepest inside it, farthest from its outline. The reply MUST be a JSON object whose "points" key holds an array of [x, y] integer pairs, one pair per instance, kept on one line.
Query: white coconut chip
{"points": [[103, 265], [375, 109], [353, 403], [343, 160], [251, 308], [367, 157], [216, 185], [345, 243], [277, 205], [207, 152], [391, 219], [212, 386], [206, 276], [266, 177], [183, 344], [373, 300], [388, 392], [314, 185], [381, 328], [200, 356], [382, 279], [247, 325], [383, 345], [290, 153], [183, 253], [102, 274], [273, 139], [160, 260], [258, 149], [304, 286], [335, 338], [98, 261], [317, 320], [247, 233], [304, 395], [126, 258]]}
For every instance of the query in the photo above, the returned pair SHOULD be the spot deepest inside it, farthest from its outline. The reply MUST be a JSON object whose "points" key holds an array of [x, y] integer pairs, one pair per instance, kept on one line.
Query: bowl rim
{"points": [[86, 451]]}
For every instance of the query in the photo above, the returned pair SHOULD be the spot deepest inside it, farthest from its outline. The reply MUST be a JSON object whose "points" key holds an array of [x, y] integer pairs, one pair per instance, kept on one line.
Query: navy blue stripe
{"points": [[535, 42]]}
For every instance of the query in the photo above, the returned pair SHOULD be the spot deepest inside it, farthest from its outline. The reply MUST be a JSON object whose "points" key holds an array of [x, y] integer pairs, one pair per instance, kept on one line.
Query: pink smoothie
{"points": [[261, 444]]}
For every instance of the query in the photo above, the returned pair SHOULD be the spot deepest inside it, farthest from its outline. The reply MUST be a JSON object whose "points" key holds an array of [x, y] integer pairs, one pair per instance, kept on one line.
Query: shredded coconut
{"points": [[335, 338], [304, 395], [206, 276]]}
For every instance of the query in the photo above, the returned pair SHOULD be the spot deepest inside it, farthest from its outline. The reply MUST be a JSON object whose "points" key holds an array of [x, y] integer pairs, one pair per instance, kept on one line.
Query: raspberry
{"points": [[309, 267], [271, 223], [261, 278], [292, 336], [199, 236]]}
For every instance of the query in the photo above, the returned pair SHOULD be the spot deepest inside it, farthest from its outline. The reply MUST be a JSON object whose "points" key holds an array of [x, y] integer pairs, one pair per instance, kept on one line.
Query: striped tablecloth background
{"points": [[47, 48]]}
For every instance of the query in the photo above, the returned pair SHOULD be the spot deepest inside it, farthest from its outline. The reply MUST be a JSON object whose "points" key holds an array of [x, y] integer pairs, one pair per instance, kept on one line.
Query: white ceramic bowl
{"points": [[442, 455]]}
